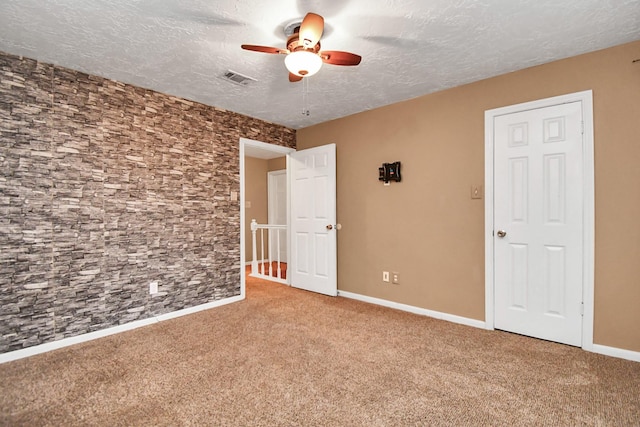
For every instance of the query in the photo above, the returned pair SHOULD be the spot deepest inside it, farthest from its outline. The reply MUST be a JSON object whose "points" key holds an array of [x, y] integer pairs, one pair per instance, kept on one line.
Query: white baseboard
{"points": [[65, 342], [270, 278], [416, 310], [616, 352], [595, 348], [197, 308]]}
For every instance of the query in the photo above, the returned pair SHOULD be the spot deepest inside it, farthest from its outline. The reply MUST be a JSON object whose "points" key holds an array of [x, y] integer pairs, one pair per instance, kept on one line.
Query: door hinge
{"points": [[581, 309]]}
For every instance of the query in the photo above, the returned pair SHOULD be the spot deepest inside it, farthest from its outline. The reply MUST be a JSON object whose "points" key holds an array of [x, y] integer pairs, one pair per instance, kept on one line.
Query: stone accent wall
{"points": [[105, 187]]}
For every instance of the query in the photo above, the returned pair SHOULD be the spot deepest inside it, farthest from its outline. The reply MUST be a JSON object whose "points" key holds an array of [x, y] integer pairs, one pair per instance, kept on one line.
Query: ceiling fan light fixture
{"points": [[304, 57], [303, 63]]}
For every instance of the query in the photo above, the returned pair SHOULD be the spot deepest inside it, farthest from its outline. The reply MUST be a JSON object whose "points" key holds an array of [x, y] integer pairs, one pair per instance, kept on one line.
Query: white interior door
{"points": [[277, 212], [313, 258], [538, 221]]}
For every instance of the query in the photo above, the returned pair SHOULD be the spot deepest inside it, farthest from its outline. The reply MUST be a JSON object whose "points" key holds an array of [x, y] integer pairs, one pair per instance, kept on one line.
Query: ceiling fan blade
{"points": [[337, 57], [294, 78], [265, 49], [311, 29]]}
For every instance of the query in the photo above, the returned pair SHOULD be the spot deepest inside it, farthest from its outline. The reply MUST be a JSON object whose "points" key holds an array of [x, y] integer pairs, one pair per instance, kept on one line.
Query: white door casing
{"points": [[277, 211], [539, 182], [312, 222]]}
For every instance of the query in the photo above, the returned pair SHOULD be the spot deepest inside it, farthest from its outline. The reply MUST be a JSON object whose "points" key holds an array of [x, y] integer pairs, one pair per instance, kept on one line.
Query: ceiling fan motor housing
{"points": [[293, 44]]}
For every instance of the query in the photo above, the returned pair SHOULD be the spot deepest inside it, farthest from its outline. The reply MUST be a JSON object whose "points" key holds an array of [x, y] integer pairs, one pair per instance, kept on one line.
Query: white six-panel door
{"points": [[313, 219], [538, 221]]}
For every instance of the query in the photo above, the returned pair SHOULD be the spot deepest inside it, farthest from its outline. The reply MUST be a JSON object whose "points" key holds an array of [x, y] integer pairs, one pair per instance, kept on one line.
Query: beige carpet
{"points": [[285, 357]]}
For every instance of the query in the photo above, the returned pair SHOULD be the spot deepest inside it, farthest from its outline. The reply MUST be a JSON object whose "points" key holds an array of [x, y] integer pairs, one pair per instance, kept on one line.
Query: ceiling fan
{"points": [[304, 57]]}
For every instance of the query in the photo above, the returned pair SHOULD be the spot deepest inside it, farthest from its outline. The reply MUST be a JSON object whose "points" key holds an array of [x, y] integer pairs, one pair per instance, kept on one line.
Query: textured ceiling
{"points": [[409, 47]]}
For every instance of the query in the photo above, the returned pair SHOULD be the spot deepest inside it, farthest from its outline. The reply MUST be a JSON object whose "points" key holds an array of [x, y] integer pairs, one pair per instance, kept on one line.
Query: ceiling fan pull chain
{"points": [[305, 97]]}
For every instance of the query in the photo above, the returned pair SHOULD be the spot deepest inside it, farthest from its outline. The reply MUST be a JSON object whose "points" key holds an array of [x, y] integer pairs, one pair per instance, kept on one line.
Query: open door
{"points": [[313, 260]]}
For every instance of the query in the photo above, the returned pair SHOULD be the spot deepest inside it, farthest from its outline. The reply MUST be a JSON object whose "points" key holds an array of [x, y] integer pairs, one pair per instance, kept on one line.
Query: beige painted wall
{"points": [[429, 229], [277, 164], [255, 191]]}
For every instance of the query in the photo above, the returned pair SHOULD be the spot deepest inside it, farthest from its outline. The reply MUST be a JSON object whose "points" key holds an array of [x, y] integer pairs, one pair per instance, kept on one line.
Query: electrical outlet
{"points": [[385, 276], [395, 277], [153, 287]]}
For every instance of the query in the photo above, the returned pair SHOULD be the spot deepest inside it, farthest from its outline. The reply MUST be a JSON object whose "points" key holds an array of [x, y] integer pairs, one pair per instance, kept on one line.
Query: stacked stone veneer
{"points": [[105, 187]]}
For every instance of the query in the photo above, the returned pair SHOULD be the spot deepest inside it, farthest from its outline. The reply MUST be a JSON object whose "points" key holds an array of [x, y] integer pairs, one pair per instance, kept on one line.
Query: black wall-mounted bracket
{"points": [[389, 172]]}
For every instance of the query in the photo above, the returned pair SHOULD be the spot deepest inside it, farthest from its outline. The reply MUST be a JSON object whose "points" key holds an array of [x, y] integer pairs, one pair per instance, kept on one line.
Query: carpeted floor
{"points": [[285, 357]]}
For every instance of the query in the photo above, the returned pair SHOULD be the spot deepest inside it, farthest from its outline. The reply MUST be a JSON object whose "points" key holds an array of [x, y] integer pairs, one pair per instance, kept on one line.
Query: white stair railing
{"points": [[262, 266]]}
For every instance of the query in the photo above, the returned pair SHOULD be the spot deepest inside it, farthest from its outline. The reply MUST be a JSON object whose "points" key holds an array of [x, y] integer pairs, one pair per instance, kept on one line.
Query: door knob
{"points": [[329, 227], [502, 233]]}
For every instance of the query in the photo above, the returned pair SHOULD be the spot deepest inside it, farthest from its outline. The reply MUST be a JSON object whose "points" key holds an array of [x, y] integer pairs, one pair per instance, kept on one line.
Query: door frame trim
{"points": [[588, 265]]}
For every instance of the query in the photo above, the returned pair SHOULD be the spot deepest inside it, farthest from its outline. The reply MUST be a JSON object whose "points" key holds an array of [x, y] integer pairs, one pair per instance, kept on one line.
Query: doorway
{"points": [[311, 214], [539, 216], [250, 151]]}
